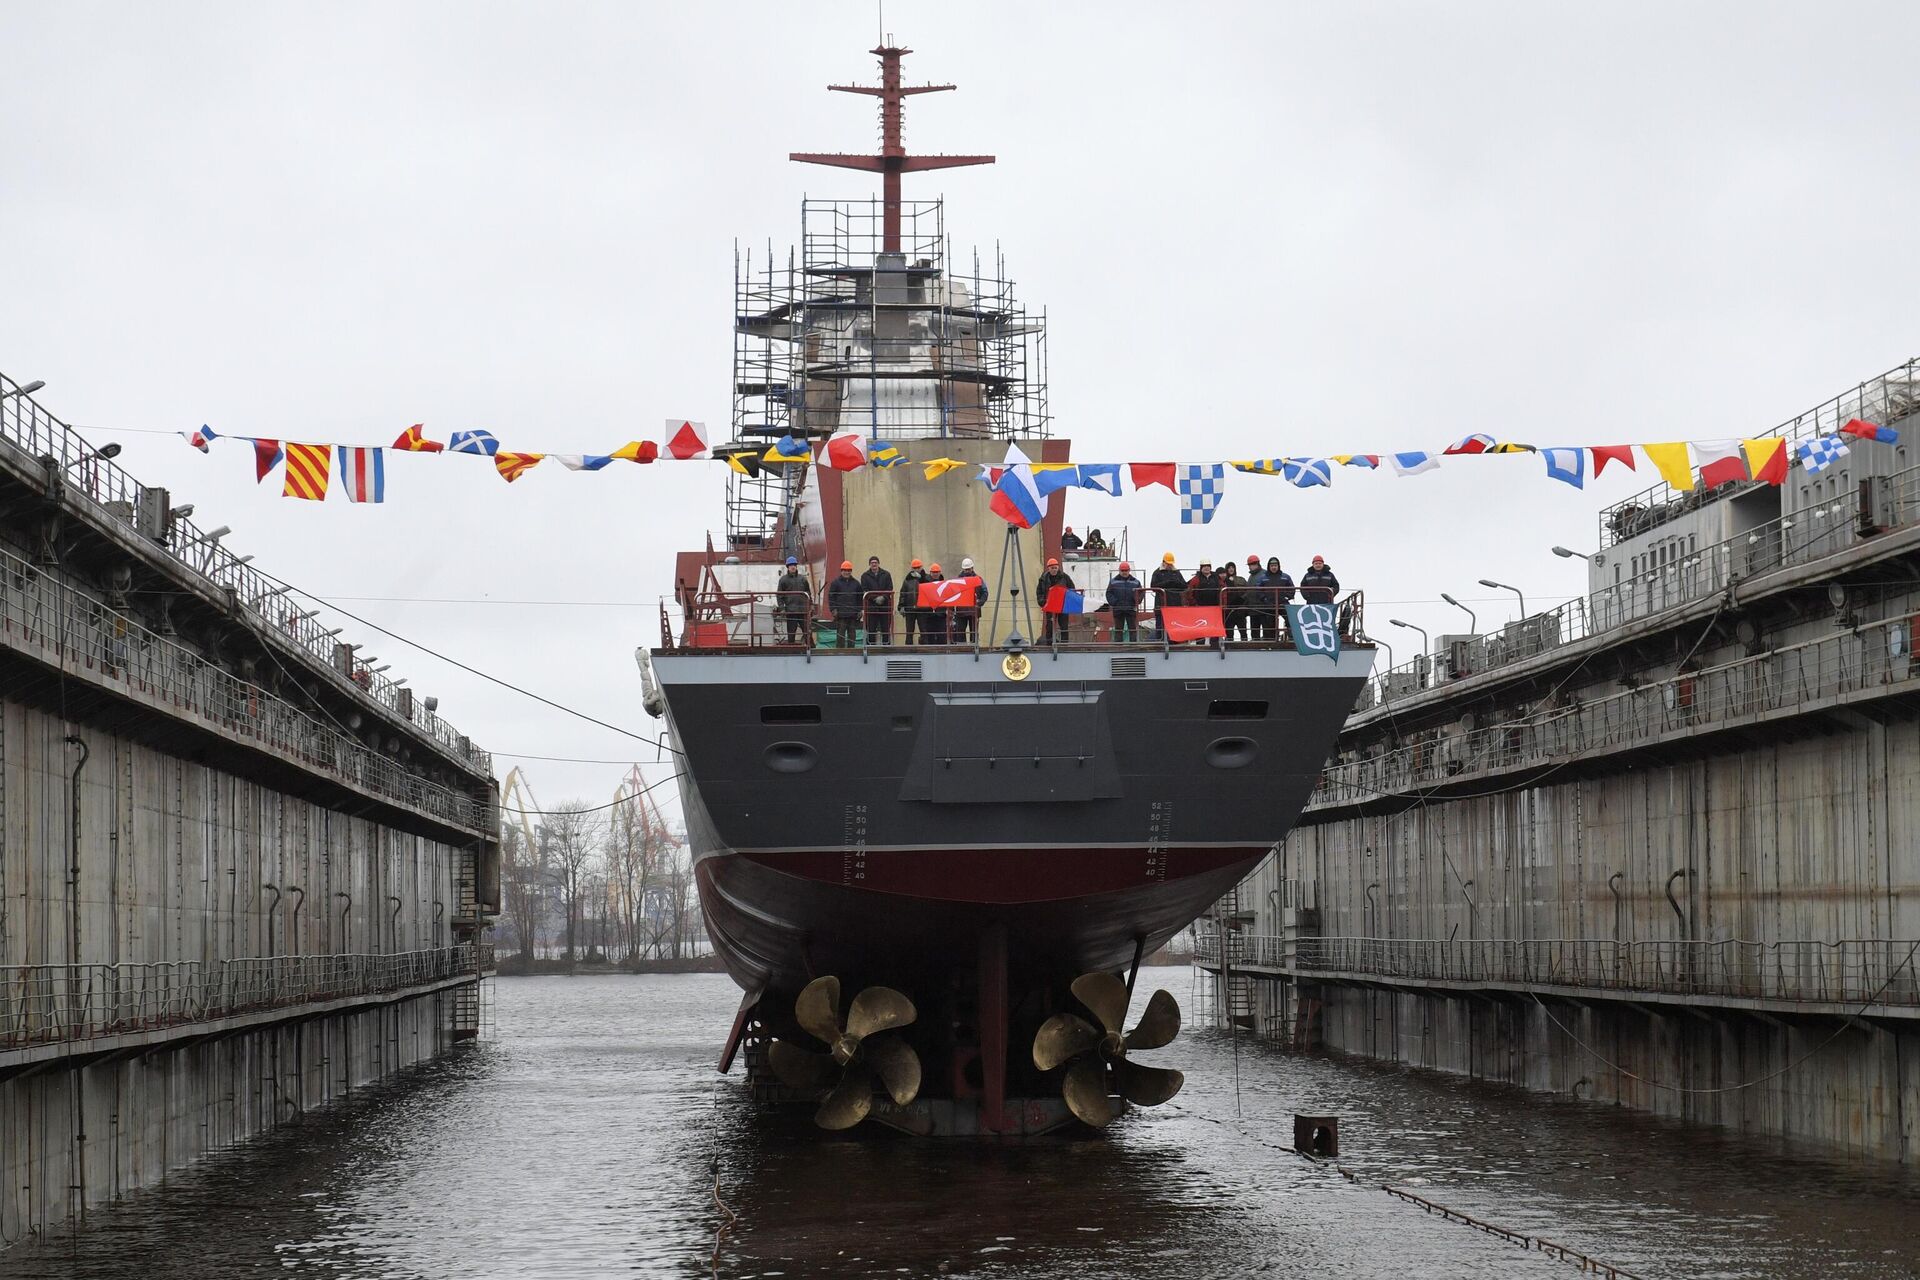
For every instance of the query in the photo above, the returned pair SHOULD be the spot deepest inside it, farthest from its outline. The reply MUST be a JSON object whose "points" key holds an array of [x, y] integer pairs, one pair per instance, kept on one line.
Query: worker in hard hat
{"points": [[965, 625], [1169, 587], [1123, 599], [1053, 625], [843, 602], [793, 600], [912, 616]]}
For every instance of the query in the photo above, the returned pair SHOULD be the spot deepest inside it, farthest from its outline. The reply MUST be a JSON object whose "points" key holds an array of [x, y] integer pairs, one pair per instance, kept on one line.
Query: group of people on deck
{"points": [[1253, 606]]}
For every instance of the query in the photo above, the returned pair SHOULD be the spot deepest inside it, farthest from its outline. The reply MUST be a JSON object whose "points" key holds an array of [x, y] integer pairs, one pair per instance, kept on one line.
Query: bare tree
{"points": [[573, 845], [523, 879]]}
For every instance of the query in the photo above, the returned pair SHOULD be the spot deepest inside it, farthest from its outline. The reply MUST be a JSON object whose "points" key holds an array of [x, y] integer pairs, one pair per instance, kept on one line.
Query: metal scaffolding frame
{"points": [[846, 335]]}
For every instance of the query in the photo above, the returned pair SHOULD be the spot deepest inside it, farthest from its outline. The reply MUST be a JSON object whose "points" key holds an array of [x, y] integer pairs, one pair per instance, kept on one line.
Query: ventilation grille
{"points": [[1129, 668], [903, 669]]}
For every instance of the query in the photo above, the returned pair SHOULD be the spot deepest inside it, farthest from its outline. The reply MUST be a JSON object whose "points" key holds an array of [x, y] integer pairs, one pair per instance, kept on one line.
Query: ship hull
{"points": [[874, 819]]}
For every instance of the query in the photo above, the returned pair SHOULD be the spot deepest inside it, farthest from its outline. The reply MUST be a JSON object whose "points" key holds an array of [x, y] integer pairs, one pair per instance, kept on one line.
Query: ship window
{"points": [[802, 713], [903, 724], [1229, 709]]}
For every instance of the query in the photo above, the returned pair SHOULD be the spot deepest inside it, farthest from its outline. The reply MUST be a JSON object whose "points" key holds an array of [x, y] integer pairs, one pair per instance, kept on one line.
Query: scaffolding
{"points": [[847, 335]]}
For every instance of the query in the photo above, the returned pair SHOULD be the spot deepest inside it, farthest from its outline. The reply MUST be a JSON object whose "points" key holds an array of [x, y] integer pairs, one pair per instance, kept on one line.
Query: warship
{"points": [[934, 868]]}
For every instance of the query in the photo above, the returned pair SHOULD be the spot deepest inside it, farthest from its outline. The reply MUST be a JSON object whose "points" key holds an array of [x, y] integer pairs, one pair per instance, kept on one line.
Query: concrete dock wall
{"points": [[74, 1137]]}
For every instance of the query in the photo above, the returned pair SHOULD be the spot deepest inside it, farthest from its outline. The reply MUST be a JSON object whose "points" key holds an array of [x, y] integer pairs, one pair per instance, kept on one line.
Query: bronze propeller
{"points": [[864, 1046], [1094, 1051]]}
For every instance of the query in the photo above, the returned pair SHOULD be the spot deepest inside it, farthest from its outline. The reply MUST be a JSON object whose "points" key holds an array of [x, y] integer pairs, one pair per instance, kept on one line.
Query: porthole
{"points": [[790, 757], [1232, 753]]}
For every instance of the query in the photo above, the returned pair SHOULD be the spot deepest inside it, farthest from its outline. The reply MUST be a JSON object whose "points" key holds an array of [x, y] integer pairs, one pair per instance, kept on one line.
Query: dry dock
{"points": [[1660, 846], [241, 873]]}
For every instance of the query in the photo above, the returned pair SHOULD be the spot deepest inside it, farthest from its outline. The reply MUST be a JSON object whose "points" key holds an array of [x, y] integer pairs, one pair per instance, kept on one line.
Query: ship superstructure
{"points": [[974, 841]]}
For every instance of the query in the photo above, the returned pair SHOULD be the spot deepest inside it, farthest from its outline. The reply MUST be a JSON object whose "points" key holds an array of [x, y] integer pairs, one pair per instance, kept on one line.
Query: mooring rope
{"points": [[1535, 1244]]}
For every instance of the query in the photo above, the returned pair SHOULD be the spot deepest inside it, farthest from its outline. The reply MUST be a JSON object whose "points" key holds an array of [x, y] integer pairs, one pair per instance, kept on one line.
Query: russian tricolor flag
{"points": [[1015, 499], [1064, 600]]}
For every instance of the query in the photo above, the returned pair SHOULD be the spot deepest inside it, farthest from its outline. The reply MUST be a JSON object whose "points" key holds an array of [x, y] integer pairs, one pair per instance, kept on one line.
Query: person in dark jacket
{"points": [[1317, 584], [793, 600], [1276, 592], [965, 625], [1169, 586], [876, 590], [912, 616], [933, 622], [1053, 624], [1070, 541], [1204, 588], [1233, 601], [1123, 598], [843, 602], [1097, 544]]}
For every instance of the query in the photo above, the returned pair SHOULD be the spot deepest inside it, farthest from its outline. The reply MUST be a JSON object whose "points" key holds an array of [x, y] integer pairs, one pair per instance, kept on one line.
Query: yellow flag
{"points": [[1512, 447], [1672, 461], [940, 466], [1766, 459], [1038, 467]]}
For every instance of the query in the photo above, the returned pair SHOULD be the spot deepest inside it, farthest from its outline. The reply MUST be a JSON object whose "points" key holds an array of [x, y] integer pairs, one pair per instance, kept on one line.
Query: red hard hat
{"points": [[1125, 567], [1254, 560]]}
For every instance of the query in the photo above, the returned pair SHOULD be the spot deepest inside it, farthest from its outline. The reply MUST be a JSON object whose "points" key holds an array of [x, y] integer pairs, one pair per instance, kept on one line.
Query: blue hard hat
{"points": [[792, 560]]}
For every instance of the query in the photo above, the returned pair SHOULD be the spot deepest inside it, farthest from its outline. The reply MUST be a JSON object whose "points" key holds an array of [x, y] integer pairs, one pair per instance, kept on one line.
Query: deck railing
{"points": [[1874, 658], [1848, 971], [45, 1003], [46, 617], [733, 620], [1791, 540], [91, 480]]}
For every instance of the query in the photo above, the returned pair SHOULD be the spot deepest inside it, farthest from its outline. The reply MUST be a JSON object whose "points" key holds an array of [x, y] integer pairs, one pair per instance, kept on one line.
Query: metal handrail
{"points": [[1790, 540], [86, 637], [730, 621], [47, 1003], [1843, 971], [1870, 659], [1887, 398], [103, 484]]}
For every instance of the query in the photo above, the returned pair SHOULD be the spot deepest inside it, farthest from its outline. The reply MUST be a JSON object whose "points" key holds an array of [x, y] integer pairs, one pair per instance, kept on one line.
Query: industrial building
{"points": [[1658, 847], [242, 871]]}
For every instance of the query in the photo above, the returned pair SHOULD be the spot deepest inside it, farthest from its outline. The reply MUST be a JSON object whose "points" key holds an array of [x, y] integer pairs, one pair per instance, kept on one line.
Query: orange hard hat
{"points": [[916, 564], [933, 568], [1125, 567], [1053, 564], [846, 564]]}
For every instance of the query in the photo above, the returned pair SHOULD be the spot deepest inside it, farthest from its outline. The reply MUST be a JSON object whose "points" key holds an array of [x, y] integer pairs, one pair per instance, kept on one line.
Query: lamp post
{"points": [[1567, 553], [1501, 586], [1383, 678], [1426, 647], [26, 390], [1473, 623]]}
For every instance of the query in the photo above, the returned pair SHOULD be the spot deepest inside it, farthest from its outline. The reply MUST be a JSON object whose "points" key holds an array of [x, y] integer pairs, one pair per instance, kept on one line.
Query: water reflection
{"points": [[585, 1141]]}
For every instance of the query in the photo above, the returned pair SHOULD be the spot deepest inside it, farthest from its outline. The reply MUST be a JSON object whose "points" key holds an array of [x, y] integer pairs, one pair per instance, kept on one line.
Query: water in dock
{"points": [[583, 1140]]}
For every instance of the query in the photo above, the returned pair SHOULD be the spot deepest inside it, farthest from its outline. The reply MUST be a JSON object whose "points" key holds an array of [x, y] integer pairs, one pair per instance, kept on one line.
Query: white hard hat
{"points": [[965, 563]]}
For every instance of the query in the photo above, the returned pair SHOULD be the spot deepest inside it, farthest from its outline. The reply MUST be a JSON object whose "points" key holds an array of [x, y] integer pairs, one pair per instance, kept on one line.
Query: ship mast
{"points": [[893, 159]]}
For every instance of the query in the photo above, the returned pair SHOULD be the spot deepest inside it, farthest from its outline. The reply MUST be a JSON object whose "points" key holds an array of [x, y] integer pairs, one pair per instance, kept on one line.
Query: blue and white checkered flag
{"points": [[1821, 452], [1200, 486]]}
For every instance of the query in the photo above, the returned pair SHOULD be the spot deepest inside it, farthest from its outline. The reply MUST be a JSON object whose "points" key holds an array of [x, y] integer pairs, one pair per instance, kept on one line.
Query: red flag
{"points": [[1605, 453], [1188, 622], [948, 593], [266, 456], [1720, 461], [1149, 473], [413, 442]]}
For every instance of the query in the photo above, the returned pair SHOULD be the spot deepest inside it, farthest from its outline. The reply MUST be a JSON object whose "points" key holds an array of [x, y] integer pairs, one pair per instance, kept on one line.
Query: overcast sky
{"points": [[1257, 229]]}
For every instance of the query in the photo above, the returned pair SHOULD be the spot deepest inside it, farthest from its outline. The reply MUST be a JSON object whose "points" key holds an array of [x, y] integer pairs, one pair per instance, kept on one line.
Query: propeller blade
{"points": [[1106, 995], [897, 1065], [1147, 1086], [1062, 1037], [849, 1102], [878, 1009], [801, 1068], [818, 1009], [1159, 1025], [1085, 1090]]}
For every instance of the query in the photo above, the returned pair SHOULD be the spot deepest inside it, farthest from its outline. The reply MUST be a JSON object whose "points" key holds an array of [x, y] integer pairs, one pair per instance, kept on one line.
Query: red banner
{"points": [[948, 593], [1193, 622]]}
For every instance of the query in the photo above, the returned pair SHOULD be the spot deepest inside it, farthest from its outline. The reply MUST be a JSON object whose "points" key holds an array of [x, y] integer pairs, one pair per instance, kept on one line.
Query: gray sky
{"points": [[1257, 229]]}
